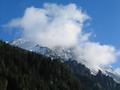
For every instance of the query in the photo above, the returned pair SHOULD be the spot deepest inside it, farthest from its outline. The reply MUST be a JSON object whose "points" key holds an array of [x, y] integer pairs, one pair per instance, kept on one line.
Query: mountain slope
{"points": [[57, 52], [24, 70], [65, 54], [93, 82]]}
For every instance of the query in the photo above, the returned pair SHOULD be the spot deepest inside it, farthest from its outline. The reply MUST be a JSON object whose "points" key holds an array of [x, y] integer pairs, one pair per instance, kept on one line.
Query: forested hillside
{"points": [[24, 70]]}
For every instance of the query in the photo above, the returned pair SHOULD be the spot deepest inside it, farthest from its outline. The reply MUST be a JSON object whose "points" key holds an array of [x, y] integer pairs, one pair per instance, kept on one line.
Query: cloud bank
{"points": [[52, 25], [62, 26], [95, 55]]}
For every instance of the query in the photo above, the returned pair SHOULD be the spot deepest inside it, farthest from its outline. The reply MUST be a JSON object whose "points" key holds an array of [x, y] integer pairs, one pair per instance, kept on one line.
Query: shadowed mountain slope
{"points": [[24, 70]]}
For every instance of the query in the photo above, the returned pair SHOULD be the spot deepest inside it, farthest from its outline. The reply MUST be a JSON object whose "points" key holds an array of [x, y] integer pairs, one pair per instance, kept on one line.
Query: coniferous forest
{"points": [[24, 70]]}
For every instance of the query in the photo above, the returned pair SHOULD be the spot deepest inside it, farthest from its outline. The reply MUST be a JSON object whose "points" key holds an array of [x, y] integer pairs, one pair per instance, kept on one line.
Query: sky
{"points": [[104, 23]]}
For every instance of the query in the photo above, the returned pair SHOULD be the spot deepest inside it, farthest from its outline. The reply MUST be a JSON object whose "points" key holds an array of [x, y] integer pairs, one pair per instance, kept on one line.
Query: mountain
{"points": [[24, 70], [58, 52], [99, 81]]}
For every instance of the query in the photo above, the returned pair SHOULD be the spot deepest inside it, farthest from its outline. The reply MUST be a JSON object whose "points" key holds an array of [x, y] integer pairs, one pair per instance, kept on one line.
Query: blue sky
{"points": [[105, 14]]}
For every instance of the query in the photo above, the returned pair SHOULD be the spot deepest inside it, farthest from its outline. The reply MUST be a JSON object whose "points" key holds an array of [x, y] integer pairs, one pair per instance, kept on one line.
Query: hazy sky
{"points": [[104, 23]]}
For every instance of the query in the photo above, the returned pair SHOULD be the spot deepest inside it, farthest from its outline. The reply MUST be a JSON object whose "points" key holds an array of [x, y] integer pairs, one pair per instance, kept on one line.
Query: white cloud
{"points": [[96, 55], [62, 25], [117, 71], [52, 25]]}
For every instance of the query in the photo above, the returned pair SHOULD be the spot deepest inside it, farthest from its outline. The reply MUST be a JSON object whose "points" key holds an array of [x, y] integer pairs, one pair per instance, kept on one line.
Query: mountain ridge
{"points": [[24, 70], [58, 52]]}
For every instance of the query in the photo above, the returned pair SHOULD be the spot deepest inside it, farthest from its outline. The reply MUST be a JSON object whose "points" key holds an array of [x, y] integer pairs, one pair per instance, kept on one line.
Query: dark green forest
{"points": [[24, 70]]}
